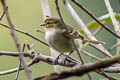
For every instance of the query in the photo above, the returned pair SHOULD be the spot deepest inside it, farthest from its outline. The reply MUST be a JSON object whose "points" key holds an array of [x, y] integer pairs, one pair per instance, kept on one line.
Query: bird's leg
{"points": [[56, 60], [67, 56]]}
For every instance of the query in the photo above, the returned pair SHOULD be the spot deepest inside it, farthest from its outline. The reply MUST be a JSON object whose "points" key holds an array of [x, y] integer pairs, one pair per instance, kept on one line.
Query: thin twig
{"points": [[91, 15], [78, 52], [71, 58], [21, 68], [106, 75], [90, 55], [98, 30], [58, 10], [17, 74], [15, 38], [1, 17], [114, 46], [41, 31], [26, 33], [14, 54]]}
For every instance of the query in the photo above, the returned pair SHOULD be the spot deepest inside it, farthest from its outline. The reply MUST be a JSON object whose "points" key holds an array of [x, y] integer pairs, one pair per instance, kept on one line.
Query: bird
{"points": [[60, 36]]}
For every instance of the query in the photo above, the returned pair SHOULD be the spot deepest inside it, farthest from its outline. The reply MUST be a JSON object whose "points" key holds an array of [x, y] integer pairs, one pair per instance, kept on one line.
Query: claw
{"points": [[56, 60], [67, 58]]}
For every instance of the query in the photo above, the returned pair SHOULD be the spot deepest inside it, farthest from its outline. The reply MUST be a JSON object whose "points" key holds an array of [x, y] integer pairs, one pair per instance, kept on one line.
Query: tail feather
{"points": [[93, 41]]}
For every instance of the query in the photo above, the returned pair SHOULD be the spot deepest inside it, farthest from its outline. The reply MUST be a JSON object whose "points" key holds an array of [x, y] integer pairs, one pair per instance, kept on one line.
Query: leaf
{"points": [[105, 18]]}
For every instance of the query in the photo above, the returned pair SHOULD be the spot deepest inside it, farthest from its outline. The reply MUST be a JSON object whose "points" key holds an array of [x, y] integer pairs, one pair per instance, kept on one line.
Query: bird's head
{"points": [[51, 22]]}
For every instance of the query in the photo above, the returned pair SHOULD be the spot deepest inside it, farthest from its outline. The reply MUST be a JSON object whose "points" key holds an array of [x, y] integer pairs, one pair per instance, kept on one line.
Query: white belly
{"points": [[59, 42]]}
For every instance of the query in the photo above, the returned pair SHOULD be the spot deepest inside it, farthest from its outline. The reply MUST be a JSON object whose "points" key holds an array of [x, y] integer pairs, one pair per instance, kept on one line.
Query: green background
{"points": [[27, 16]]}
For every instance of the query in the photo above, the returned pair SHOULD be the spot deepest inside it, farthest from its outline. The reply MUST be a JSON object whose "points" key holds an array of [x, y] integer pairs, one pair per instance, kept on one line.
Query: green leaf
{"points": [[106, 18]]}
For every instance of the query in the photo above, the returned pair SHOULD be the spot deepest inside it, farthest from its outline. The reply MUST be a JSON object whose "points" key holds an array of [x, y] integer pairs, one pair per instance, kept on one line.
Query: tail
{"points": [[92, 41]]}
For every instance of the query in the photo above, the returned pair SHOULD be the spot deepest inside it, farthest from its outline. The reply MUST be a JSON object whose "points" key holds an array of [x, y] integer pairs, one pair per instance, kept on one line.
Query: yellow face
{"points": [[52, 22]]}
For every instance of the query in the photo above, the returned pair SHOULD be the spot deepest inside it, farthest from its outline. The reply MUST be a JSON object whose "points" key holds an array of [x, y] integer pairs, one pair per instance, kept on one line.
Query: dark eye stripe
{"points": [[48, 23], [52, 22]]}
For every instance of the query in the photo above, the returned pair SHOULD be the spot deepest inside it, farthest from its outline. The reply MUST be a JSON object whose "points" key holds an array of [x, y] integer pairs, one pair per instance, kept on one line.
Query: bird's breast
{"points": [[58, 41]]}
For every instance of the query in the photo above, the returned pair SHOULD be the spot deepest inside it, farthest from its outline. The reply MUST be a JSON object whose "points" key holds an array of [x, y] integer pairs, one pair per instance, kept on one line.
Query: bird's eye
{"points": [[48, 22]]}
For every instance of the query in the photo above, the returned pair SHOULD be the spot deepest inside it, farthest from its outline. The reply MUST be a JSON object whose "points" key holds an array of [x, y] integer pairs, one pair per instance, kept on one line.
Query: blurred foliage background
{"points": [[27, 15]]}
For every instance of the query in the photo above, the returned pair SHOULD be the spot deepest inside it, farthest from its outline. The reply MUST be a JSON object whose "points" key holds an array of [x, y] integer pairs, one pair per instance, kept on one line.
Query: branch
{"points": [[80, 70], [15, 38], [15, 54], [39, 57], [27, 54], [26, 33], [114, 46], [17, 74], [90, 55], [1, 17], [97, 30], [58, 10], [41, 31], [112, 69], [15, 69], [51, 60]]}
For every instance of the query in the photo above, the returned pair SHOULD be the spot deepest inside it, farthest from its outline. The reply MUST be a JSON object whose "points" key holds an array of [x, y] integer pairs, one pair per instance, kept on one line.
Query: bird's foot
{"points": [[66, 59], [56, 60]]}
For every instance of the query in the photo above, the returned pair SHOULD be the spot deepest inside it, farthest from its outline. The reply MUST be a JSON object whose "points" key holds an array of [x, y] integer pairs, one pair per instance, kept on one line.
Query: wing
{"points": [[71, 33]]}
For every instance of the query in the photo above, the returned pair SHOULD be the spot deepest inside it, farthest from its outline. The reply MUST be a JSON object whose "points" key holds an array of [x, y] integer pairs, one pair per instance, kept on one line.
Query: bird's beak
{"points": [[42, 24]]}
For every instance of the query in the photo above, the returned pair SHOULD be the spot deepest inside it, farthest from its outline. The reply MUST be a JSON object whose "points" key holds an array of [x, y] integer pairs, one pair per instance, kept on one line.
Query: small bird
{"points": [[60, 36]]}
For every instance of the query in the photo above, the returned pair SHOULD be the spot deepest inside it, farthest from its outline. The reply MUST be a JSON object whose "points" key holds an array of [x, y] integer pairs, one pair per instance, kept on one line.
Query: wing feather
{"points": [[71, 33]]}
